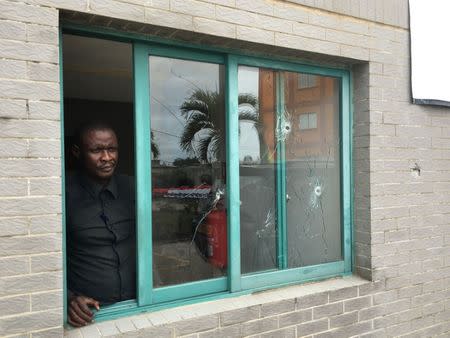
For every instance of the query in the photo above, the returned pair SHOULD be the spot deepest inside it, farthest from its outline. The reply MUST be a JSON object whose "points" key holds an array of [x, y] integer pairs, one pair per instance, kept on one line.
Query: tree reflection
{"points": [[202, 136]]}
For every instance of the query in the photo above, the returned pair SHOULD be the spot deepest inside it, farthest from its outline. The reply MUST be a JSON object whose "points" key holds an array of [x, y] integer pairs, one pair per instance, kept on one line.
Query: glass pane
{"points": [[312, 170], [257, 159], [188, 171]]}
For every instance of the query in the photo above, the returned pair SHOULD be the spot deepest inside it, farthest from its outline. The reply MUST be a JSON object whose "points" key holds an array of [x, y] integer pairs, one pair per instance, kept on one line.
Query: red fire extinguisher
{"points": [[216, 236]]}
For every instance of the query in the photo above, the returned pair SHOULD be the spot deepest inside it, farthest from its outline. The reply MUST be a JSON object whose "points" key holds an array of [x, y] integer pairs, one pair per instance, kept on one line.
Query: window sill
{"points": [[214, 315]]}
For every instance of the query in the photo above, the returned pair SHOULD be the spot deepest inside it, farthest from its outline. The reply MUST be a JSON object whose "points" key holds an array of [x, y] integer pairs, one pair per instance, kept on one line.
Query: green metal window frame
{"points": [[234, 283]]}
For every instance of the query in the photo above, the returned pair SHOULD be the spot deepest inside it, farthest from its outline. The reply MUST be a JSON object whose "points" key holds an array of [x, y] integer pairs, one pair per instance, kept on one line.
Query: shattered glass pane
{"points": [[284, 126], [312, 173]]}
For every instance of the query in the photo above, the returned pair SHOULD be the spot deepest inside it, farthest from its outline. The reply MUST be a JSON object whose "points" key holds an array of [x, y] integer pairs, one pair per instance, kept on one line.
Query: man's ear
{"points": [[76, 151]]}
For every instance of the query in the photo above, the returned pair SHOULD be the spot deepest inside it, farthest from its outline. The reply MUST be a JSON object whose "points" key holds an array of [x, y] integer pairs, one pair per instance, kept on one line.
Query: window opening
{"points": [[99, 173]]}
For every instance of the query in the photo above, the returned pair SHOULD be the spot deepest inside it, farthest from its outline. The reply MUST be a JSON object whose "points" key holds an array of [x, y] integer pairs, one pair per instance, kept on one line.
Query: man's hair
{"points": [[84, 128]]}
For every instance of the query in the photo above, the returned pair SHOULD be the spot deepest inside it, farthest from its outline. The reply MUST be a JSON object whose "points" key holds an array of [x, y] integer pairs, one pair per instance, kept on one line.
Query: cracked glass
{"points": [[312, 160], [289, 144]]}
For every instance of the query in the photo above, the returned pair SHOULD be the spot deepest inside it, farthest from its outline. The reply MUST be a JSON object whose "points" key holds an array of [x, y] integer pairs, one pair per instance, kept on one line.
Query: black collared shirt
{"points": [[101, 238]]}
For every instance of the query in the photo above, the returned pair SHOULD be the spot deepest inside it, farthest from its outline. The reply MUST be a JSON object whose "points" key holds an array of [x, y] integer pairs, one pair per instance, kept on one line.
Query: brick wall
{"points": [[402, 230]]}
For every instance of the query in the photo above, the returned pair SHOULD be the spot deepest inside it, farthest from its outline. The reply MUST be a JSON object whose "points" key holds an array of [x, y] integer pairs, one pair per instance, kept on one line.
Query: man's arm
{"points": [[78, 310]]}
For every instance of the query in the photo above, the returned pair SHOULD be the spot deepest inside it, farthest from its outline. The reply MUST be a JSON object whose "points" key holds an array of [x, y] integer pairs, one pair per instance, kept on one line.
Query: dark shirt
{"points": [[101, 240]]}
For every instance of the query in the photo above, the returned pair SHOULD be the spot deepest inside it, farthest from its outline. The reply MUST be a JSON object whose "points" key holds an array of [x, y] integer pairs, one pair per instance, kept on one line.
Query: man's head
{"points": [[96, 149]]}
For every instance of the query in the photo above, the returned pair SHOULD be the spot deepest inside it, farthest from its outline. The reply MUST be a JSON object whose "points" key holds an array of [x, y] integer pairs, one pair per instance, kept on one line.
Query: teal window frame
{"points": [[234, 283]]}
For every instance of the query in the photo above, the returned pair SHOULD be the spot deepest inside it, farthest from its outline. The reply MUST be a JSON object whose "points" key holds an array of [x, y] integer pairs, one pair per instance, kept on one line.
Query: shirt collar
{"points": [[94, 188]]}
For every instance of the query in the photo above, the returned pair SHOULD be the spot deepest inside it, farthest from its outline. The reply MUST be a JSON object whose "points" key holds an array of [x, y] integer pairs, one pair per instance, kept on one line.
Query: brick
{"points": [[328, 310], [30, 283], [44, 110], [28, 128], [272, 24], [308, 31], [14, 305], [47, 301], [357, 303], [29, 168], [17, 206], [45, 186], [13, 187], [346, 38], [12, 69], [239, 316], [12, 30], [31, 14], [196, 325], [314, 327], [12, 266], [40, 71], [229, 3], [258, 6], [354, 52], [116, 9], [236, 16], [45, 148], [285, 333], [141, 322], [214, 27], [10, 148], [11, 246], [13, 226], [306, 44], [312, 300], [107, 328], [190, 7], [385, 297], [168, 19], [344, 319], [46, 262], [295, 318], [90, 331], [51, 333], [254, 35], [259, 326], [45, 224], [160, 331], [290, 12], [124, 325], [229, 331], [13, 109], [348, 331], [42, 34], [29, 52], [278, 307], [341, 294]]}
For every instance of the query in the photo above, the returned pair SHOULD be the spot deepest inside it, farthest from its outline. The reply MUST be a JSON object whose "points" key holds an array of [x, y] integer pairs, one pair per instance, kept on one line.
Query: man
{"points": [[100, 223]]}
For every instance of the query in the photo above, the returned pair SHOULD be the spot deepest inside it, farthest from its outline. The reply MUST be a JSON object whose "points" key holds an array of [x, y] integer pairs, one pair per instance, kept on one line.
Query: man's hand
{"points": [[78, 310]]}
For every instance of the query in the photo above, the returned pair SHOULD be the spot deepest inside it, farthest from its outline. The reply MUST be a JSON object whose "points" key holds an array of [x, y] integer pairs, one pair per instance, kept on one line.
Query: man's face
{"points": [[98, 154]]}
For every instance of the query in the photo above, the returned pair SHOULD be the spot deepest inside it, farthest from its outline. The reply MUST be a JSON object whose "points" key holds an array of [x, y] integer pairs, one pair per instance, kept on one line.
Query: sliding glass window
{"points": [[242, 170]]}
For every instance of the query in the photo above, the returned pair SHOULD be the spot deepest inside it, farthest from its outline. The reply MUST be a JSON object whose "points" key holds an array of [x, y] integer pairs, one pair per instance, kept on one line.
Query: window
{"points": [[306, 81], [242, 177], [307, 121]]}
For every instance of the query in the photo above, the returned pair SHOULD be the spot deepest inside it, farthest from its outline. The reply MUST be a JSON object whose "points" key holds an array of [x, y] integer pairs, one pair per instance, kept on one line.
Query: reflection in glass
{"points": [[291, 131], [257, 159], [312, 170], [188, 171]]}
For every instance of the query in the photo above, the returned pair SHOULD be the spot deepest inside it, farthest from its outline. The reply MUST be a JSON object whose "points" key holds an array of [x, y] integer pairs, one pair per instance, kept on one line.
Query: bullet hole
{"points": [[415, 170]]}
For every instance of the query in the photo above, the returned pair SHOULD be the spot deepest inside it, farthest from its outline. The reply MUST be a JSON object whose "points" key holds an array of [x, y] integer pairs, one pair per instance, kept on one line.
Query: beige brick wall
{"points": [[402, 236]]}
